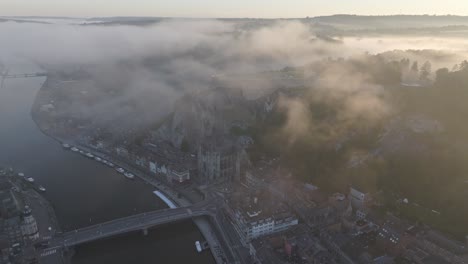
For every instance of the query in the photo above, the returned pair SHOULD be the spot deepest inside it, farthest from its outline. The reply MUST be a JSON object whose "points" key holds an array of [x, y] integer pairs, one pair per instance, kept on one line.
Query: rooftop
{"points": [[259, 206]]}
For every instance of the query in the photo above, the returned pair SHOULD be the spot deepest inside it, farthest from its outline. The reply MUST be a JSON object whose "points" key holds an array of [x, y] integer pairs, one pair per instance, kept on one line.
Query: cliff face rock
{"points": [[212, 113]]}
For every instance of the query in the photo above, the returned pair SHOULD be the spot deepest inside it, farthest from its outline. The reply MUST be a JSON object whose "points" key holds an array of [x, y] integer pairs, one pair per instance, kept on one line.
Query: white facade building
{"points": [[253, 223], [359, 200]]}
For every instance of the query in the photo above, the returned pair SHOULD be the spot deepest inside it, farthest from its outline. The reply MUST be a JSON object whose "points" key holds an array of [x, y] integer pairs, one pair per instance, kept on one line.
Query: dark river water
{"points": [[84, 192]]}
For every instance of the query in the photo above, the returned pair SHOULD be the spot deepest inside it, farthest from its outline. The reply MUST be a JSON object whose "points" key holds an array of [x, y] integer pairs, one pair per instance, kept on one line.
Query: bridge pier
{"points": [[145, 231]]}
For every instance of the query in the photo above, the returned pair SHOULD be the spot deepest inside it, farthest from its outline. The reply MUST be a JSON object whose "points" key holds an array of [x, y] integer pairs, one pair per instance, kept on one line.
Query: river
{"points": [[84, 192]]}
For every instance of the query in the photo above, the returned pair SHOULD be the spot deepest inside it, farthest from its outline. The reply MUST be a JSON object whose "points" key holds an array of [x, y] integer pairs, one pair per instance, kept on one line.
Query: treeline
{"points": [[457, 78], [434, 177], [318, 155], [437, 178]]}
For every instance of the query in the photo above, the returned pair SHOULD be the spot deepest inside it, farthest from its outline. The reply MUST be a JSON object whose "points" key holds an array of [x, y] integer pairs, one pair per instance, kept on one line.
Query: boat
{"points": [[41, 188], [75, 149], [30, 179], [66, 146], [120, 170], [89, 155], [21, 174], [97, 158], [129, 175], [198, 246], [110, 164], [201, 246]]}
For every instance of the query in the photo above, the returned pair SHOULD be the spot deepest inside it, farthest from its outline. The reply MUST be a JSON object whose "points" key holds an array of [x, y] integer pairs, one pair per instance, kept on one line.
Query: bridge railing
{"points": [[96, 231], [22, 75], [126, 218], [194, 209]]}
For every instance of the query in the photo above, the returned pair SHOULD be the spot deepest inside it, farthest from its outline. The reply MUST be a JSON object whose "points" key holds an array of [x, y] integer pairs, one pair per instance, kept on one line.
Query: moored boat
{"points": [[129, 175], [198, 246]]}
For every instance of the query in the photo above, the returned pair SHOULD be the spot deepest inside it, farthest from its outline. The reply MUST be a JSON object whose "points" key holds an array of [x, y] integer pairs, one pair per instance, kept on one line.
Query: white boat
{"points": [[66, 146], [198, 246], [30, 179], [89, 155], [110, 164], [97, 158], [129, 175], [120, 170], [21, 174], [41, 188], [201, 246], [75, 149]]}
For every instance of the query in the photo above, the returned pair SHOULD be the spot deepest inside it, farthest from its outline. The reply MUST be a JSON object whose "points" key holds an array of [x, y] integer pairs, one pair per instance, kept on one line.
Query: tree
{"points": [[442, 75], [415, 67], [464, 66], [425, 71], [185, 146], [405, 64]]}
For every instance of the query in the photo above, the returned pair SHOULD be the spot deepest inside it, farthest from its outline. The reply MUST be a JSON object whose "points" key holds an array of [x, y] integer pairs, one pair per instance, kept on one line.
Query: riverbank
{"points": [[22, 198], [168, 195], [82, 191], [171, 195]]}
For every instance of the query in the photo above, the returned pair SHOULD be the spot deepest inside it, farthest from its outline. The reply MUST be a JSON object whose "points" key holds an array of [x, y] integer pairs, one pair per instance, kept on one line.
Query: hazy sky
{"points": [[223, 8]]}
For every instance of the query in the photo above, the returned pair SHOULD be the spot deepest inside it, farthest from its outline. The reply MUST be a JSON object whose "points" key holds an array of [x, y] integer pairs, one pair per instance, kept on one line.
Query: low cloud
{"points": [[153, 66]]}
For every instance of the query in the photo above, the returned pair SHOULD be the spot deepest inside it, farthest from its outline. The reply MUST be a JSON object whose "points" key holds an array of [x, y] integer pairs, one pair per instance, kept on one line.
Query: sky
{"points": [[232, 8]]}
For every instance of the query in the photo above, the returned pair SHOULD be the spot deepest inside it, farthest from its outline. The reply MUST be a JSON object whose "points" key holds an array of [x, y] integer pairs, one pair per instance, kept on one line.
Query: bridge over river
{"points": [[139, 222], [142, 222], [22, 75], [6, 75]]}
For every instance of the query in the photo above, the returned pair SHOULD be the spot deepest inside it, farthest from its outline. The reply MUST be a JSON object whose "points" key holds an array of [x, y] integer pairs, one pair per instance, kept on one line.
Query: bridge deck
{"points": [[23, 75], [129, 224]]}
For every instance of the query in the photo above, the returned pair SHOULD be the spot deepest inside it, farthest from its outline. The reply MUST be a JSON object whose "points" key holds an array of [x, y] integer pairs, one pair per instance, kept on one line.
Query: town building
{"points": [[394, 236], [11, 227], [359, 200], [29, 225], [297, 245], [160, 159], [218, 161], [164, 159], [8, 202], [335, 242], [255, 217]]}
